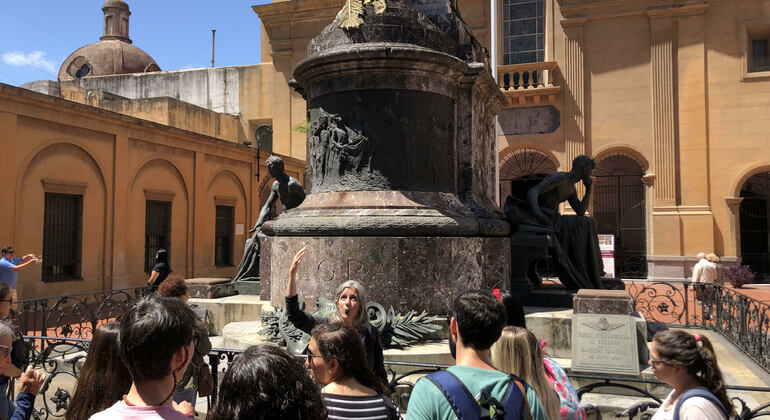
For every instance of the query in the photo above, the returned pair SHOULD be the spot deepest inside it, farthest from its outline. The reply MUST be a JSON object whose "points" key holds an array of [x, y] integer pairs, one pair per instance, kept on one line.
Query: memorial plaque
{"points": [[604, 343]]}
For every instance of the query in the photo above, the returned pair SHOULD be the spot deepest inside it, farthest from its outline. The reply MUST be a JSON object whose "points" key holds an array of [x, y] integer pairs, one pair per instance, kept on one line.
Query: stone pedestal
{"points": [[210, 288], [403, 272], [400, 166], [613, 302]]}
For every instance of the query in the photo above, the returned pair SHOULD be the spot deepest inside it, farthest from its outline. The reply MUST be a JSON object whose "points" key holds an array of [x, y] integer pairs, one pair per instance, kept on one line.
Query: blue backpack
{"points": [[698, 392], [466, 407]]}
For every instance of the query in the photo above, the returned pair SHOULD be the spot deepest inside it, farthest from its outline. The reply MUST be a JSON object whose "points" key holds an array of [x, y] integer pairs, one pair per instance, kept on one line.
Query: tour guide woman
{"points": [[350, 299]]}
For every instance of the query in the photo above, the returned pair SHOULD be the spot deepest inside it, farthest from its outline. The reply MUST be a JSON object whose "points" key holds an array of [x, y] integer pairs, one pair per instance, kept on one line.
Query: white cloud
{"points": [[35, 59]]}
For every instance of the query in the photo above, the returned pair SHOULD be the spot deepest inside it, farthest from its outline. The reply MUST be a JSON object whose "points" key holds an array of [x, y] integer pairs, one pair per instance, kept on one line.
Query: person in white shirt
{"points": [[704, 271], [687, 362]]}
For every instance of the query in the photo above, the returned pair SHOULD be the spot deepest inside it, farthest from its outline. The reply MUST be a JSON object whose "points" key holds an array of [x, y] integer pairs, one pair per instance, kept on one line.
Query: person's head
{"points": [[6, 341], [514, 310], [676, 355], [103, 379], [156, 338], [336, 352], [583, 165], [6, 300], [712, 257], [8, 252], [266, 382], [174, 287], [350, 300], [701, 255], [161, 256], [518, 352], [274, 165], [478, 319]]}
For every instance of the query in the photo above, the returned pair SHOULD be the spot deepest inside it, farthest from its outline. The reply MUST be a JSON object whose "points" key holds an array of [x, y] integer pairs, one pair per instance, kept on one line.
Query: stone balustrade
{"points": [[528, 84]]}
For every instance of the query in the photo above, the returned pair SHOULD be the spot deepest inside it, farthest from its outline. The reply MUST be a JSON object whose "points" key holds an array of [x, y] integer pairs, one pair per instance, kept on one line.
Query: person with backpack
{"points": [[687, 362], [475, 388]]}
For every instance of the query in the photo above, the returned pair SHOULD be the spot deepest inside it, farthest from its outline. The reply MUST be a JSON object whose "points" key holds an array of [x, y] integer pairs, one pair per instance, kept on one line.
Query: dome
{"points": [[105, 58], [113, 54]]}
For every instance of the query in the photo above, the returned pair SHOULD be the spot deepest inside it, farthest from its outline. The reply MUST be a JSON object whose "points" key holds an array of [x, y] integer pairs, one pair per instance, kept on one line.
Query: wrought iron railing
{"points": [[75, 316], [741, 319], [62, 356]]}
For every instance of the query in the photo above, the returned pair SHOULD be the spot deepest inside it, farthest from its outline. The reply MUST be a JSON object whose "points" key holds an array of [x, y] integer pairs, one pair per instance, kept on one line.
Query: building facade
{"points": [[669, 96]]}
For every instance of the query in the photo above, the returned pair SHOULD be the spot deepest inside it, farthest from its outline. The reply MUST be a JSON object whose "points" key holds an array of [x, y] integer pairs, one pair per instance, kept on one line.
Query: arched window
{"points": [[523, 31], [521, 170], [754, 220], [619, 210]]}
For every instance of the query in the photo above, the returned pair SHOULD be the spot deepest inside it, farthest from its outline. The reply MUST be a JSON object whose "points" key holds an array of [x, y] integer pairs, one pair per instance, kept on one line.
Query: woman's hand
{"points": [[31, 381], [291, 286]]}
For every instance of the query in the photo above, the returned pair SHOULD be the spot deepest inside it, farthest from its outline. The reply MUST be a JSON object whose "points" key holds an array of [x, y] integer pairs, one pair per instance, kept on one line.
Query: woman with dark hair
{"points": [[103, 379], [350, 300], [514, 310], [687, 362], [160, 271], [350, 389], [266, 382]]}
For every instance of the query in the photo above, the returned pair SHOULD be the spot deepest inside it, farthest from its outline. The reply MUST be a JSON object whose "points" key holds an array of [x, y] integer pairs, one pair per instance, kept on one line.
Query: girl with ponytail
{"points": [[687, 362]]}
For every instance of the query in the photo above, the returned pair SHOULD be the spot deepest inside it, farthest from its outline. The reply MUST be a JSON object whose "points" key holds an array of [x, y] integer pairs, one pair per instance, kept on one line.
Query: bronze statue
{"points": [[576, 249], [290, 192]]}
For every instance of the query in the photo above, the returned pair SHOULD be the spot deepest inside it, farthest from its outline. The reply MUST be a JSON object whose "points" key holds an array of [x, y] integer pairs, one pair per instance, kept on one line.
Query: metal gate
{"points": [[619, 209], [755, 241], [157, 231]]}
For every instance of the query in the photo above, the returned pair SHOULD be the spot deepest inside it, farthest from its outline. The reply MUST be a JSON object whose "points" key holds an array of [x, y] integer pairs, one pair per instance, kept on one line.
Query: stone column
{"points": [[118, 275], [664, 136], [8, 165], [574, 107], [733, 244]]}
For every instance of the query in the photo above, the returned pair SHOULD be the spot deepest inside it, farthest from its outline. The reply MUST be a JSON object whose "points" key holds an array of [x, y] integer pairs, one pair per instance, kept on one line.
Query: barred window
{"points": [[157, 231], [523, 31], [62, 236], [223, 249]]}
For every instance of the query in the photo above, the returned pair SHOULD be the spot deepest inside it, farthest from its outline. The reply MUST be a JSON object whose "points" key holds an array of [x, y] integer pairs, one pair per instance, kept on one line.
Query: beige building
{"points": [[107, 165], [669, 96]]}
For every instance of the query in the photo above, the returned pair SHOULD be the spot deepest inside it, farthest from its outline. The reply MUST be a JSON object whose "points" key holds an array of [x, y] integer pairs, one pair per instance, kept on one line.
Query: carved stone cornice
{"points": [[648, 180], [733, 202]]}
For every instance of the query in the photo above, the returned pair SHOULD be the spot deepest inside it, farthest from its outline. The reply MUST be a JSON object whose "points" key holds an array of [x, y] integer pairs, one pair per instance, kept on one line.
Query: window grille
{"points": [[157, 231], [223, 249], [523, 31], [62, 237]]}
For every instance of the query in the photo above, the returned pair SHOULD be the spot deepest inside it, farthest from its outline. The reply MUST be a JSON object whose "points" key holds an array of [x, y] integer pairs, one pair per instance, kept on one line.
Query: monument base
{"points": [[404, 272], [210, 288], [247, 287]]}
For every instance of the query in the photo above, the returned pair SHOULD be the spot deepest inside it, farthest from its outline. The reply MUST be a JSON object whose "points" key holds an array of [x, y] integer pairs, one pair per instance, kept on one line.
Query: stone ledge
{"points": [[222, 311], [210, 288]]}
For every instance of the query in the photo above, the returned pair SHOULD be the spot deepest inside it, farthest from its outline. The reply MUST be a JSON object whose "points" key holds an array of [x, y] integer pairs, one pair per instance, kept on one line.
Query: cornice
{"points": [[270, 11], [594, 10]]}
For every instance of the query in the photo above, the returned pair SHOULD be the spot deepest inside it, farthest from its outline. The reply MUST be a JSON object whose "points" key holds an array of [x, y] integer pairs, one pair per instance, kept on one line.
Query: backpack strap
{"points": [[459, 397], [698, 392], [516, 400]]}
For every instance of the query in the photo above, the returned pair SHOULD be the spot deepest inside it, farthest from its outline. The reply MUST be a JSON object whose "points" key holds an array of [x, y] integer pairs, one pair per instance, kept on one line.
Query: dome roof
{"points": [[105, 58]]}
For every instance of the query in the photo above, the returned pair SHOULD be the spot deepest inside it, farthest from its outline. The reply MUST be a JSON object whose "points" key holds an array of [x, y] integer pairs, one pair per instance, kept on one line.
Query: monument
{"points": [[400, 163], [289, 191], [539, 231]]}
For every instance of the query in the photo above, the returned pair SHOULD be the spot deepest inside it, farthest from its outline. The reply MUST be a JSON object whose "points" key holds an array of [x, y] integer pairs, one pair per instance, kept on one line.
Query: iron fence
{"points": [[62, 358]]}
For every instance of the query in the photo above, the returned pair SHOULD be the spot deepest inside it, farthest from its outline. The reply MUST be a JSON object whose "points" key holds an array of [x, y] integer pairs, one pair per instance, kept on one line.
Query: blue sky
{"points": [[36, 36]]}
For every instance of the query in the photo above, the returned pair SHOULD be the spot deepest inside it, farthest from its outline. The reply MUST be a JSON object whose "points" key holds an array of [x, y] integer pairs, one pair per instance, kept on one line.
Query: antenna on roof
{"points": [[213, 34]]}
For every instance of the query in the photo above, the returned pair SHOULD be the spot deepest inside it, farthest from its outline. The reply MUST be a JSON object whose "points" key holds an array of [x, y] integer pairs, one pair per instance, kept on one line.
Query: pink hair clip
{"points": [[696, 337], [543, 343], [496, 292]]}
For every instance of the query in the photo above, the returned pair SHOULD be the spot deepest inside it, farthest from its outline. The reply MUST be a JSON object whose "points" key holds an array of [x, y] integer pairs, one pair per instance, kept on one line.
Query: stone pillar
{"points": [[119, 278], [197, 250], [8, 171], [733, 244], [664, 136], [574, 107]]}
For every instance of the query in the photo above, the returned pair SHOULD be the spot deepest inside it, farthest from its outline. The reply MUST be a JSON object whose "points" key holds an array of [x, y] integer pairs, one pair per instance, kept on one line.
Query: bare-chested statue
{"points": [[575, 251], [290, 192]]}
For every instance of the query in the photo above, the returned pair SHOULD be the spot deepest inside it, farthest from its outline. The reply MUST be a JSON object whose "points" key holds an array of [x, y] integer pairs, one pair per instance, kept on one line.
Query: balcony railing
{"points": [[529, 84]]}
